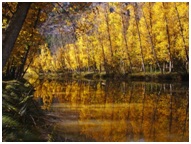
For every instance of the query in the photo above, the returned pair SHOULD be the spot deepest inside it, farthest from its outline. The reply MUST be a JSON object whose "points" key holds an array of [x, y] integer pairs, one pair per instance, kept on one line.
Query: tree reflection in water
{"points": [[118, 111]]}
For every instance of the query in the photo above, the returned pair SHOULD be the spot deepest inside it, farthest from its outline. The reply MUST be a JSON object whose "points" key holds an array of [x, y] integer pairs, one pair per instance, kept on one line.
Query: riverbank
{"points": [[174, 77], [155, 77]]}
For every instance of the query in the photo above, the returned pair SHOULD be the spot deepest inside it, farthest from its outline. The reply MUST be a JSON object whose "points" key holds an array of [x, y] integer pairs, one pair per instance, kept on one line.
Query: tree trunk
{"points": [[125, 26], [168, 39], [181, 31], [108, 31], [151, 40], [22, 72], [11, 33], [103, 52], [139, 35]]}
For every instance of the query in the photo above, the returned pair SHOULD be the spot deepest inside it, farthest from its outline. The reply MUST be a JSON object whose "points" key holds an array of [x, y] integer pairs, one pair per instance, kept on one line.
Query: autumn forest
{"points": [[105, 58], [116, 38]]}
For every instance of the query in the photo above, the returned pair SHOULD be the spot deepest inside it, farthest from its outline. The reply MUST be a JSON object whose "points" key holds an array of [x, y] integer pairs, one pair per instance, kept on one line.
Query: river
{"points": [[113, 111]]}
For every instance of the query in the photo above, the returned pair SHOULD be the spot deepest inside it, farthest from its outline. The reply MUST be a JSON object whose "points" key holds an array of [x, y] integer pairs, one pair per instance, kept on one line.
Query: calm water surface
{"points": [[114, 111]]}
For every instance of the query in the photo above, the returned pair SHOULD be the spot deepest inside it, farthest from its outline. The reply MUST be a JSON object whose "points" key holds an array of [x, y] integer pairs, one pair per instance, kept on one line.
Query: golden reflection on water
{"points": [[118, 111]]}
